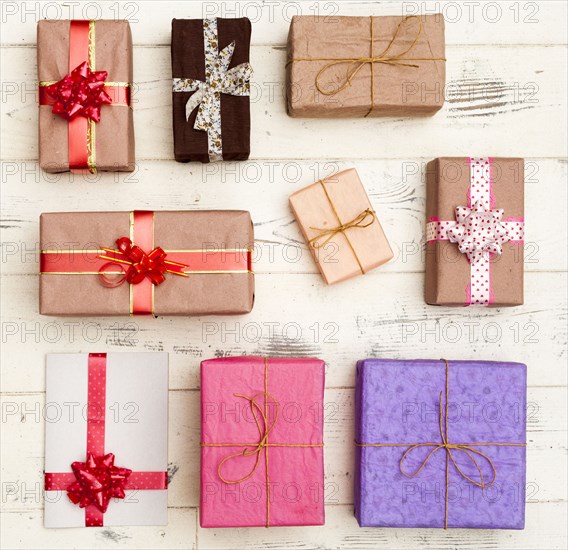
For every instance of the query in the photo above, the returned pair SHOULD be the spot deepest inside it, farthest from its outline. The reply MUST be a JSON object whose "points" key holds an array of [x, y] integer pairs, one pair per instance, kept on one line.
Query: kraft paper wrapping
{"points": [[398, 90], [198, 294], [336, 260], [291, 476], [397, 402], [115, 131], [447, 270], [188, 61]]}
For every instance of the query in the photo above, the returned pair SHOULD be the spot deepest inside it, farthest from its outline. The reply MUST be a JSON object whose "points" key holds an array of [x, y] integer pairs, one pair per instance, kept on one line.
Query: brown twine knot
{"points": [[362, 220], [263, 430]]}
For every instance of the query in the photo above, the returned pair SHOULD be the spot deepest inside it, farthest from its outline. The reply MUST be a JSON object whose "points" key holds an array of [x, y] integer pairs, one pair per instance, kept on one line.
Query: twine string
{"points": [[341, 227], [362, 220]]}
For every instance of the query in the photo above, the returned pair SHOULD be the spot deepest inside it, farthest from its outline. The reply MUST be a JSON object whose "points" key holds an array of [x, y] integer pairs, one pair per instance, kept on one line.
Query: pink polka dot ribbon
{"points": [[479, 231], [93, 483]]}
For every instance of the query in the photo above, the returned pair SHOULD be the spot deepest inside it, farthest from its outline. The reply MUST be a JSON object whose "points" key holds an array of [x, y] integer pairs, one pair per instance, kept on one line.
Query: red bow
{"points": [[98, 480], [141, 265], [80, 93]]}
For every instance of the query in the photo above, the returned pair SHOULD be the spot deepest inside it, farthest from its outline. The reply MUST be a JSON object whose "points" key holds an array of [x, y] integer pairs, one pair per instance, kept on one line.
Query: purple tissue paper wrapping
{"points": [[398, 407]]}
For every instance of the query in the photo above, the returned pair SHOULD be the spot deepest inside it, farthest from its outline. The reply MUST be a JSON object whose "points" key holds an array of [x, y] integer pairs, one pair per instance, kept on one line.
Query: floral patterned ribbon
{"points": [[92, 483], [479, 231], [219, 79]]}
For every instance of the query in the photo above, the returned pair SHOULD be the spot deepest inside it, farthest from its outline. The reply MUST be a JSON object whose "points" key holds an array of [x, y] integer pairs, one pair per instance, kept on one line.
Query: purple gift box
{"points": [[440, 444]]}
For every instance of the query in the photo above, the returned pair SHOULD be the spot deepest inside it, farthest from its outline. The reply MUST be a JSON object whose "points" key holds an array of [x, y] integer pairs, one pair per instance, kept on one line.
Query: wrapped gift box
{"points": [[82, 143], [262, 442], [88, 267], [211, 89], [475, 231], [106, 444], [440, 444], [330, 73], [340, 226]]}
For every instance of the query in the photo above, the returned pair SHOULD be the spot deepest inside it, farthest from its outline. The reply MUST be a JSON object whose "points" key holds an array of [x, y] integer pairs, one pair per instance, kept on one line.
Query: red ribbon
{"points": [[153, 266], [80, 93], [98, 480], [94, 482]]}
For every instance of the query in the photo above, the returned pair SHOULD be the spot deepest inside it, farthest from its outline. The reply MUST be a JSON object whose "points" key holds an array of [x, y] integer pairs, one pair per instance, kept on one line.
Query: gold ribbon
{"points": [[262, 445], [356, 64], [467, 449], [360, 221]]}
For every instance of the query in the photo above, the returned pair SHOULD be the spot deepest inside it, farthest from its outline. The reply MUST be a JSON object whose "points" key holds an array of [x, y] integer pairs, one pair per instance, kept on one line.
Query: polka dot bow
{"points": [[478, 231]]}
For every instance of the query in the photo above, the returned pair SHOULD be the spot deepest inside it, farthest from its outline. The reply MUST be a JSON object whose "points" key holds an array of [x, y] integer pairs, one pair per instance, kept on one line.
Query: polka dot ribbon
{"points": [[479, 231], [92, 484]]}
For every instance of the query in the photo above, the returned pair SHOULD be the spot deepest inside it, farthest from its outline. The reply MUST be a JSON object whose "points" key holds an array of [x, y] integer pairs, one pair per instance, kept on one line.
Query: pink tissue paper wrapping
{"points": [[235, 478]]}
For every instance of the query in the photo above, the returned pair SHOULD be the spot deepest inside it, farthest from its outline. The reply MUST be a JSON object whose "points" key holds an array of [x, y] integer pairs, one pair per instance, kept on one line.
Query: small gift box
{"points": [[340, 226], [440, 444], [261, 442], [365, 66], [146, 263], [211, 89], [106, 443], [85, 80], [475, 231]]}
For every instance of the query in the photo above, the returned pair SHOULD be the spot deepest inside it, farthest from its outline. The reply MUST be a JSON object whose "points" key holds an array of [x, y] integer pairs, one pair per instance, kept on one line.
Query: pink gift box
{"points": [[262, 442]]}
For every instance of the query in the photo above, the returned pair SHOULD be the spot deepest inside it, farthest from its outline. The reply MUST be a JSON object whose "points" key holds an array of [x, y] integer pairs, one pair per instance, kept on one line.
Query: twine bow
{"points": [[354, 65], [362, 220], [466, 449], [153, 265], [80, 93], [98, 480]]}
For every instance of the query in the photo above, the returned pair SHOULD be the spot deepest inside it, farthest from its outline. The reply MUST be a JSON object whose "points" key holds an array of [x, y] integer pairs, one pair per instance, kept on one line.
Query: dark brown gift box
{"points": [[115, 131], [448, 270], [209, 293], [188, 61], [315, 42]]}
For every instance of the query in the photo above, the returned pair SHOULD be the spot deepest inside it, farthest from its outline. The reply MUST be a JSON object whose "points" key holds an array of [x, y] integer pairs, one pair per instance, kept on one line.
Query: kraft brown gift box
{"points": [[188, 62], [114, 141], [448, 272], [386, 88], [201, 293], [326, 206]]}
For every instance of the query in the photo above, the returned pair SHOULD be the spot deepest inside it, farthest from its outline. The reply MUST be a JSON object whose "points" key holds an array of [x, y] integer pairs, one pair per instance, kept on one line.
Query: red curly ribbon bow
{"points": [[154, 265], [98, 480], [80, 93]]}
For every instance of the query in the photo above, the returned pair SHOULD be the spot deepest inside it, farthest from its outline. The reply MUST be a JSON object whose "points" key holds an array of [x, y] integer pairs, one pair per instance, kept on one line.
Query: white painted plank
{"points": [[493, 94], [25, 530], [545, 522], [396, 188], [24, 416], [379, 315], [475, 22]]}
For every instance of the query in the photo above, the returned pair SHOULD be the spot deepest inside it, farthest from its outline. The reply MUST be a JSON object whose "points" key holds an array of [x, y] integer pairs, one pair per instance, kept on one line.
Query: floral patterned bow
{"points": [[98, 480], [80, 93], [478, 231]]}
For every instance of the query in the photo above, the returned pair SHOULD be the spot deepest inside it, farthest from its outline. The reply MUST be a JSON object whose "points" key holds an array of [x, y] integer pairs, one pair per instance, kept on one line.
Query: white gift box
{"points": [[135, 431]]}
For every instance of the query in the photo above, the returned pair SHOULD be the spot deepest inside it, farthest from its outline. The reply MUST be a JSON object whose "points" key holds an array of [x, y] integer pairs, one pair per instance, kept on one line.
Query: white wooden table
{"points": [[507, 96]]}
